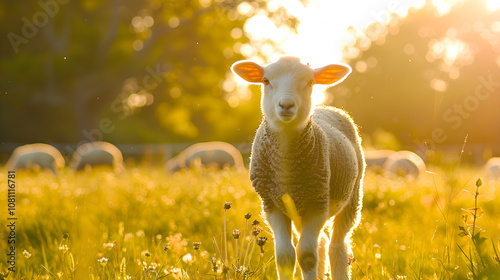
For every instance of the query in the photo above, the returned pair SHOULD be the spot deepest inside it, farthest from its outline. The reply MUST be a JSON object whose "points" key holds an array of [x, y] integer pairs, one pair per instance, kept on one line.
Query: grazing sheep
{"points": [[492, 169], [210, 154], [33, 156], [404, 163], [375, 159], [97, 154], [306, 166]]}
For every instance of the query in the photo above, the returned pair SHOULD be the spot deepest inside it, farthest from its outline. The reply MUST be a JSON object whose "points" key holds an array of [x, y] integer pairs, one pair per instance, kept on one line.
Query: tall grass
{"points": [[148, 225]]}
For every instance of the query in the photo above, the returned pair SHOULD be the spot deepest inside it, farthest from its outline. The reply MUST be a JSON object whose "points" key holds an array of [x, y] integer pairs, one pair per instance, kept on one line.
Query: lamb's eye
{"points": [[265, 81]]}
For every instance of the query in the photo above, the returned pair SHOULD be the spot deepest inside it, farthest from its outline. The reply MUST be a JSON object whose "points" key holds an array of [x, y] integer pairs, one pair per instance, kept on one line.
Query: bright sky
{"points": [[321, 30], [323, 26]]}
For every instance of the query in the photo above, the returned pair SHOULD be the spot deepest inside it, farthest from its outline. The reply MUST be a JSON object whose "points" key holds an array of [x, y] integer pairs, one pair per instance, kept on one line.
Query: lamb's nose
{"points": [[287, 104]]}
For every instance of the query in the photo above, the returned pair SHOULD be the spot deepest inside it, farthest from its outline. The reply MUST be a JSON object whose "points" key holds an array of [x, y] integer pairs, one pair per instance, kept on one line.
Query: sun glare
{"points": [[493, 5], [318, 96], [320, 33], [324, 30]]}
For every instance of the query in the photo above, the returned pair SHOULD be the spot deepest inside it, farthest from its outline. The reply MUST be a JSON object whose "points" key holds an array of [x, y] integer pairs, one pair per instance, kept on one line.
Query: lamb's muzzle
{"points": [[286, 109]]}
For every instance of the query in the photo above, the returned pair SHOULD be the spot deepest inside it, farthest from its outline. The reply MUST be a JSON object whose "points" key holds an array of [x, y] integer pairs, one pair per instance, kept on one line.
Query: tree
{"points": [[122, 70], [428, 77]]}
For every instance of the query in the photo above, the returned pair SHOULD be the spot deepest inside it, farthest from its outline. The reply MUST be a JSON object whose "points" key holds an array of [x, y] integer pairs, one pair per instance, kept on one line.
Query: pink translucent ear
{"points": [[248, 71], [331, 74]]}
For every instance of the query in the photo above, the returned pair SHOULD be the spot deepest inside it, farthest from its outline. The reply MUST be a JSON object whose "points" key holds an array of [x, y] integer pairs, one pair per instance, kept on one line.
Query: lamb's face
{"points": [[287, 87], [286, 92]]}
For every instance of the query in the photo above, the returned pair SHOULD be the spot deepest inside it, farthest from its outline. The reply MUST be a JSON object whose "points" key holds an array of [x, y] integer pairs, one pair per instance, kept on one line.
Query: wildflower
{"points": [[256, 230], [128, 236], [196, 245], [261, 241], [26, 254], [103, 261], [176, 273], [236, 234], [227, 205], [109, 245], [139, 233], [214, 264], [248, 215], [187, 258], [255, 222], [204, 254], [63, 248], [153, 266]]}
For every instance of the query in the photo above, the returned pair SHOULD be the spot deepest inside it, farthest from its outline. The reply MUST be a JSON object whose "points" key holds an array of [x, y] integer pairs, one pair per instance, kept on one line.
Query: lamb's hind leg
{"points": [[343, 223], [307, 248], [284, 250]]}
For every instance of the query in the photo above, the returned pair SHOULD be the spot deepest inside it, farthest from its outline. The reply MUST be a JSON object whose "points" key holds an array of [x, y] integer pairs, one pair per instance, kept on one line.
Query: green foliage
{"points": [[80, 62], [422, 77]]}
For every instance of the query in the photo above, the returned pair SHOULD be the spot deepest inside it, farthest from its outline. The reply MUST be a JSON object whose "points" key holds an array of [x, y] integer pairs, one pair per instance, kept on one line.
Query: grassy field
{"points": [[144, 224]]}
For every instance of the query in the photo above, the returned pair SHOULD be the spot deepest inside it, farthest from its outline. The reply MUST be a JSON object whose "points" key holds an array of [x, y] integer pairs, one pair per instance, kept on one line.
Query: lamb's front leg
{"points": [[284, 250], [307, 248]]}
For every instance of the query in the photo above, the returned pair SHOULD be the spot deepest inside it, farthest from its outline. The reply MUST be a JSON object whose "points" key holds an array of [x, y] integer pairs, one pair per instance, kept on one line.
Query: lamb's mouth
{"points": [[286, 117]]}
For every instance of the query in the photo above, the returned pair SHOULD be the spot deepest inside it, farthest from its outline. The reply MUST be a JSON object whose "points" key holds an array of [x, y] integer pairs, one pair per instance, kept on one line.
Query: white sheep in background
{"points": [[375, 159], [492, 169], [306, 166], [33, 156], [210, 154], [97, 154], [404, 163]]}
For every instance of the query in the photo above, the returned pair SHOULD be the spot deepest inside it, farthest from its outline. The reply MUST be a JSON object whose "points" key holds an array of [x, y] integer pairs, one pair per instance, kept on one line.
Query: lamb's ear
{"points": [[331, 74], [248, 71]]}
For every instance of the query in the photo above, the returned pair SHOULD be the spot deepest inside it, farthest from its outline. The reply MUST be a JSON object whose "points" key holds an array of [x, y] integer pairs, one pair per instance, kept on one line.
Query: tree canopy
{"points": [[155, 71], [427, 78], [123, 71]]}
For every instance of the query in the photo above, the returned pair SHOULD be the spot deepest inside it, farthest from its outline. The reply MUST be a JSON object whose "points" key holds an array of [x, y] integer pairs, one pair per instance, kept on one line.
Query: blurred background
{"points": [[149, 74]]}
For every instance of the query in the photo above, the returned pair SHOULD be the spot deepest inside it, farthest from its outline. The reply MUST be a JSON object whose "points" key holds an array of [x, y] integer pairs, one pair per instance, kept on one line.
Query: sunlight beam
{"points": [[493, 5]]}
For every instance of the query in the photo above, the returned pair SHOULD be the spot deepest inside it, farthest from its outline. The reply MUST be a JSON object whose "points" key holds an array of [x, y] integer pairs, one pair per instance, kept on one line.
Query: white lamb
{"points": [[34, 156], [97, 154], [375, 159], [404, 163], [306, 166], [210, 154], [492, 169]]}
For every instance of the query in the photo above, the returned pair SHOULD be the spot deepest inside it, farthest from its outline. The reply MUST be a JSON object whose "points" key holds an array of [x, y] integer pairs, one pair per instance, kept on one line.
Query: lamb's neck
{"points": [[291, 142]]}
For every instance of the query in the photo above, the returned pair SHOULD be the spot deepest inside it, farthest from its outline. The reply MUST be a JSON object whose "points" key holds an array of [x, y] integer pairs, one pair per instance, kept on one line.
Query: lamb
{"points": [[97, 154], [306, 165], [375, 159], [492, 169], [211, 154], [34, 156], [404, 163]]}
